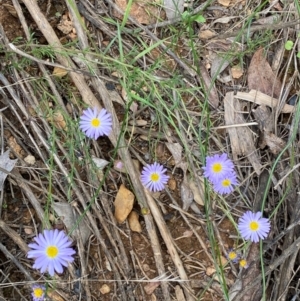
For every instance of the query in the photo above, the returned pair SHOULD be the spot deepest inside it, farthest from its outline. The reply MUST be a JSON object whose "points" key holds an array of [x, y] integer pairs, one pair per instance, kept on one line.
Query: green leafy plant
{"points": [[288, 45]]}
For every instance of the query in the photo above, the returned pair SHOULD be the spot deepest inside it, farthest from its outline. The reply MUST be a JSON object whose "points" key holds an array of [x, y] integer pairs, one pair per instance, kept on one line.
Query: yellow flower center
{"points": [[226, 183], [232, 255], [217, 167], [95, 122], [52, 251], [154, 177], [38, 292], [254, 225], [243, 263]]}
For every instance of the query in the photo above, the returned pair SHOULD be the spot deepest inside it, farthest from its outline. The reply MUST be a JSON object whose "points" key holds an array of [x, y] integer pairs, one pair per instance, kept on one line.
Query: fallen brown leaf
{"points": [[65, 25], [12, 143], [150, 287], [143, 11], [133, 221], [179, 293], [206, 34], [176, 151], [198, 194], [241, 138], [59, 72], [261, 77], [237, 71], [54, 295], [224, 2], [58, 120], [123, 204], [210, 271], [104, 289]]}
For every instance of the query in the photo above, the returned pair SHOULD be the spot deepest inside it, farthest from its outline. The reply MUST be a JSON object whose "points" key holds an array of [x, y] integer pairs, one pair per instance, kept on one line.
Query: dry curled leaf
{"points": [[58, 120], [123, 204], [143, 10], [13, 144], [261, 76], [210, 271], [187, 195], [11, 9], [198, 193], [150, 287], [176, 151], [133, 221], [206, 34], [54, 295], [65, 25], [72, 221], [173, 8], [7, 164], [59, 72], [237, 71], [30, 160], [224, 2], [104, 289]]}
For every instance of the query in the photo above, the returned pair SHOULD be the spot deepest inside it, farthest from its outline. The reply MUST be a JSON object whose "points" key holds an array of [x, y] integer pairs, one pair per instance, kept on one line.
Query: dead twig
{"points": [[255, 28], [9, 256]]}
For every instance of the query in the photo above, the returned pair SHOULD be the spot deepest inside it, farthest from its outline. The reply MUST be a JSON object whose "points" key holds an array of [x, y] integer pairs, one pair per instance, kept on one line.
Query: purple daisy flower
{"points": [[95, 124], [253, 226], [51, 251], [225, 185], [153, 177], [217, 167], [232, 255], [38, 292]]}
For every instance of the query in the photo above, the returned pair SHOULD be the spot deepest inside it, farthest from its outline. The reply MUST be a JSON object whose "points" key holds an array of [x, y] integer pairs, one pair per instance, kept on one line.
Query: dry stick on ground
{"points": [[255, 28], [140, 191], [287, 268], [9, 256], [20, 105], [14, 236], [53, 41]]}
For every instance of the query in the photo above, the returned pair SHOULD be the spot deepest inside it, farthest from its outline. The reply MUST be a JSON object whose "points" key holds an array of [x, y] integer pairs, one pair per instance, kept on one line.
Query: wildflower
{"points": [[232, 255], [253, 227], [153, 177], [119, 165], [51, 251], [38, 292], [225, 185], [217, 167], [243, 263], [95, 124]]}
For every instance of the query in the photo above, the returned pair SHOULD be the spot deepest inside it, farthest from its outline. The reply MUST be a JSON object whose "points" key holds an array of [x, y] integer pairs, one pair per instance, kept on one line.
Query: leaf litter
{"points": [[165, 232]]}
